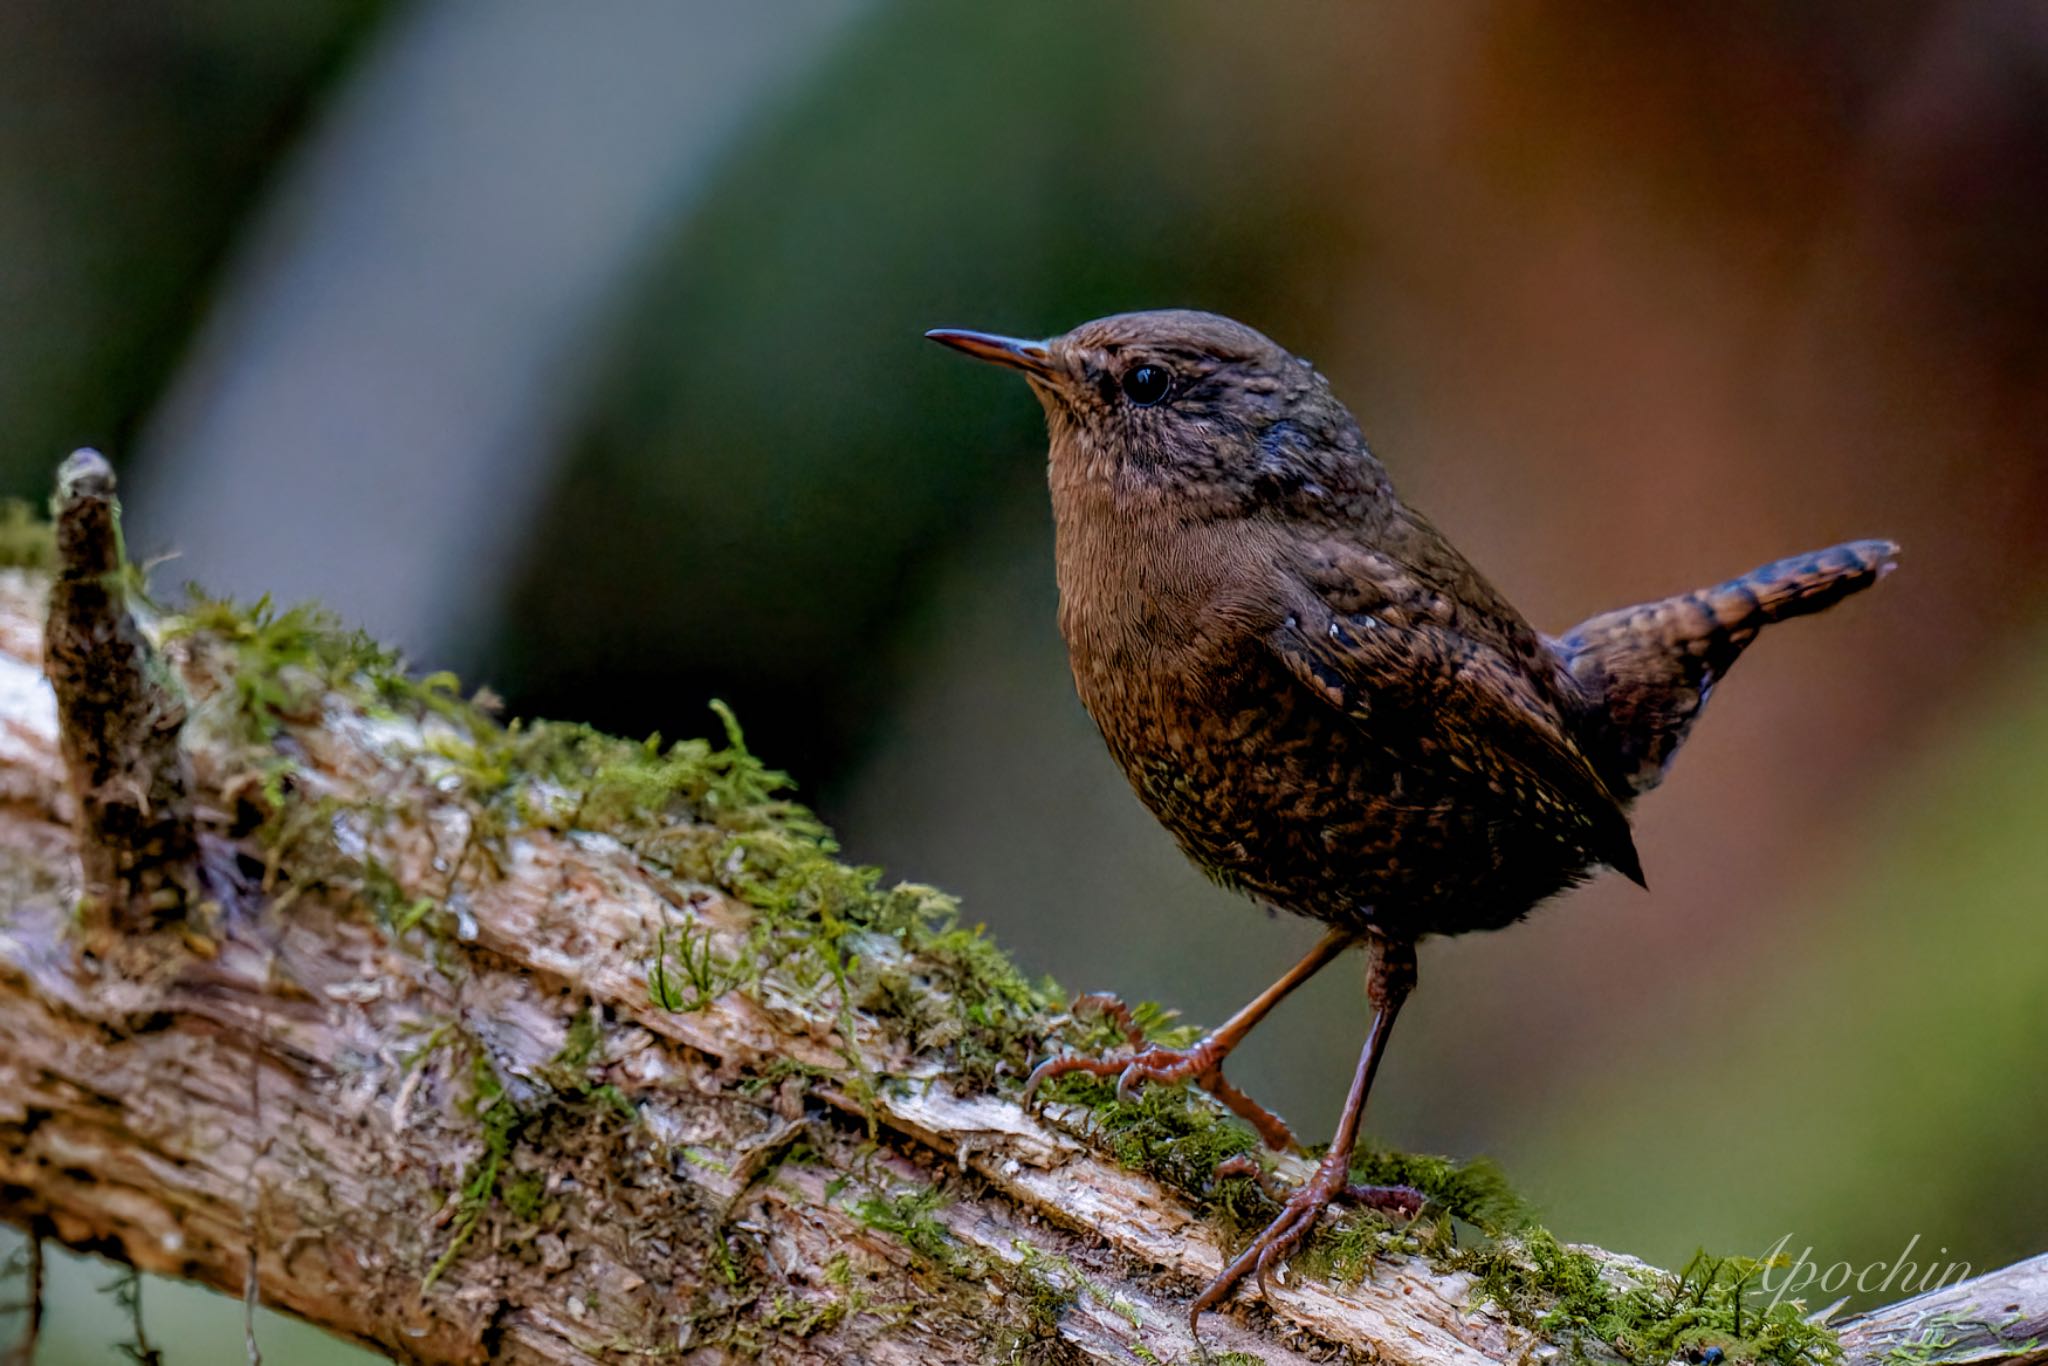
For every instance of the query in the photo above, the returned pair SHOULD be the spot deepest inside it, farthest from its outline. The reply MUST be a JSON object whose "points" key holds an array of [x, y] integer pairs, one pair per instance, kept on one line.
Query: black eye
{"points": [[1147, 384]]}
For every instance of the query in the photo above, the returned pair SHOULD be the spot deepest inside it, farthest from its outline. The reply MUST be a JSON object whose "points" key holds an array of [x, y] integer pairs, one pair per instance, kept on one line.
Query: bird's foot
{"points": [[1201, 1063], [1330, 1184]]}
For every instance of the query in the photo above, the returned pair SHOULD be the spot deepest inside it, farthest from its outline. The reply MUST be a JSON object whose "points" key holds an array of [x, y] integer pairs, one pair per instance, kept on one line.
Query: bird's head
{"points": [[1188, 408]]}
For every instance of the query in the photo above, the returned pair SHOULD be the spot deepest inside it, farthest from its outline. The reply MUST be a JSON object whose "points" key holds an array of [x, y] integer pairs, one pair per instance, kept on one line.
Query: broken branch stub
{"points": [[119, 718]]}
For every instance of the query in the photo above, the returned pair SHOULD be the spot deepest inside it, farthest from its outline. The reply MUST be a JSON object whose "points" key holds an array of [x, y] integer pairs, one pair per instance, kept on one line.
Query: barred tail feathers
{"points": [[1646, 671]]}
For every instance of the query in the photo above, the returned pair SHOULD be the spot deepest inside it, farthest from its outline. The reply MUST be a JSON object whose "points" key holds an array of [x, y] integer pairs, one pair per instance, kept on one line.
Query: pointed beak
{"points": [[1029, 356]]}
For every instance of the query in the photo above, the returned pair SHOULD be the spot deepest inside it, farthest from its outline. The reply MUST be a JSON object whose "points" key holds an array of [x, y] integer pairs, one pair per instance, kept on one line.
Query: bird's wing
{"points": [[1467, 704]]}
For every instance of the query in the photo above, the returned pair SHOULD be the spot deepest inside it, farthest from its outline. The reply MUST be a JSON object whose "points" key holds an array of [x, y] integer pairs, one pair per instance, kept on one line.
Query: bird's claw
{"points": [[1201, 1063], [1405, 1201], [1329, 1185]]}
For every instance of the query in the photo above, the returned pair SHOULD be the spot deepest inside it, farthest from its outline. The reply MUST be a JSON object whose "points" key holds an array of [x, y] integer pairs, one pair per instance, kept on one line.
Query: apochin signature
{"points": [[1787, 1276]]}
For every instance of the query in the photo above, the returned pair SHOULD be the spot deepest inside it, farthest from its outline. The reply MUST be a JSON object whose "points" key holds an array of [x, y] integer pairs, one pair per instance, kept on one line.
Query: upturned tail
{"points": [[1646, 671]]}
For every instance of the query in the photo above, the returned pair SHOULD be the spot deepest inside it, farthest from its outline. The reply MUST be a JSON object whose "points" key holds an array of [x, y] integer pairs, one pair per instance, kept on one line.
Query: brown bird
{"points": [[1323, 701]]}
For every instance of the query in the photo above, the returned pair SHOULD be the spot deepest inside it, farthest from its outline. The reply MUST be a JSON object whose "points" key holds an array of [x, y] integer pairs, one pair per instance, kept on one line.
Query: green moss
{"points": [[523, 1196], [282, 661], [1458, 1195], [722, 1261], [1039, 1288], [689, 976], [907, 1217], [1174, 1133], [1140, 1352], [1047, 1286], [793, 1317], [1646, 1315], [27, 540], [490, 1178], [567, 1074], [711, 813], [850, 1299], [1345, 1252], [580, 1044], [777, 1071], [499, 1121], [703, 811], [1474, 1192]]}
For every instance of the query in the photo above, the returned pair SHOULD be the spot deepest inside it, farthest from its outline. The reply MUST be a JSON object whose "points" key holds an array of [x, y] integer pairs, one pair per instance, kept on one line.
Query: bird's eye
{"points": [[1147, 384]]}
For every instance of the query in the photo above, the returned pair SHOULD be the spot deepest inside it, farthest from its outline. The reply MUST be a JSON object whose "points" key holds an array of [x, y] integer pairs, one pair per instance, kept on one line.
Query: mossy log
{"points": [[518, 1043]]}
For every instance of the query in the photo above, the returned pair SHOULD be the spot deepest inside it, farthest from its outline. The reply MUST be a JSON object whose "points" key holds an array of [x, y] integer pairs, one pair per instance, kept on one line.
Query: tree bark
{"points": [[486, 1141], [2000, 1319]]}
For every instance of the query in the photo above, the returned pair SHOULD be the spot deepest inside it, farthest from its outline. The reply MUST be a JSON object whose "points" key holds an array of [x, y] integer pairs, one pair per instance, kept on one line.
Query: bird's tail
{"points": [[1646, 671]]}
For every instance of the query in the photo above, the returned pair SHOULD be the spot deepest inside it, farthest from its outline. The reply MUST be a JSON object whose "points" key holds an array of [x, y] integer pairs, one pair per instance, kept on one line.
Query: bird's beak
{"points": [[1029, 356]]}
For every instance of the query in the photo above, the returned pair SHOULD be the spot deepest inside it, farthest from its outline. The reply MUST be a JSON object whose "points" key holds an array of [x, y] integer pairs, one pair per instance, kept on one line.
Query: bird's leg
{"points": [[1201, 1062], [1390, 976]]}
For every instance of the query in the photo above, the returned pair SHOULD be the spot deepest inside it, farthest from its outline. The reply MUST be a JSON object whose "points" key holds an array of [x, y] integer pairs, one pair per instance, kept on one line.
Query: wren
{"points": [[1331, 710]]}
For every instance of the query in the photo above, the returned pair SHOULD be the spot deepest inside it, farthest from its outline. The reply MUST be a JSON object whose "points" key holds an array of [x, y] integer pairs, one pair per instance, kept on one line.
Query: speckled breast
{"points": [[1272, 793]]}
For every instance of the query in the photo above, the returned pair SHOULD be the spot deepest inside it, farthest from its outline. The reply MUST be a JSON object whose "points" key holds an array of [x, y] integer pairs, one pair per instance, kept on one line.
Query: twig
{"points": [[252, 1201], [23, 1352], [128, 1294]]}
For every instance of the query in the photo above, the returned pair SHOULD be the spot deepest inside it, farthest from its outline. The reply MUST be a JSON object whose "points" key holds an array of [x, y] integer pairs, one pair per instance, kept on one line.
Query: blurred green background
{"points": [[580, 353]]}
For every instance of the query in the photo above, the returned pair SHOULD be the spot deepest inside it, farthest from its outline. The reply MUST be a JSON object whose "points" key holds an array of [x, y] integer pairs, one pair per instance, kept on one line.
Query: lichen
{"points": [[1935, 1340]]}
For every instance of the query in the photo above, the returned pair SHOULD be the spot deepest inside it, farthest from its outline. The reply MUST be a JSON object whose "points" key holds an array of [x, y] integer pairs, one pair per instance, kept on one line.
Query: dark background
{"points": [[581, 353]]}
